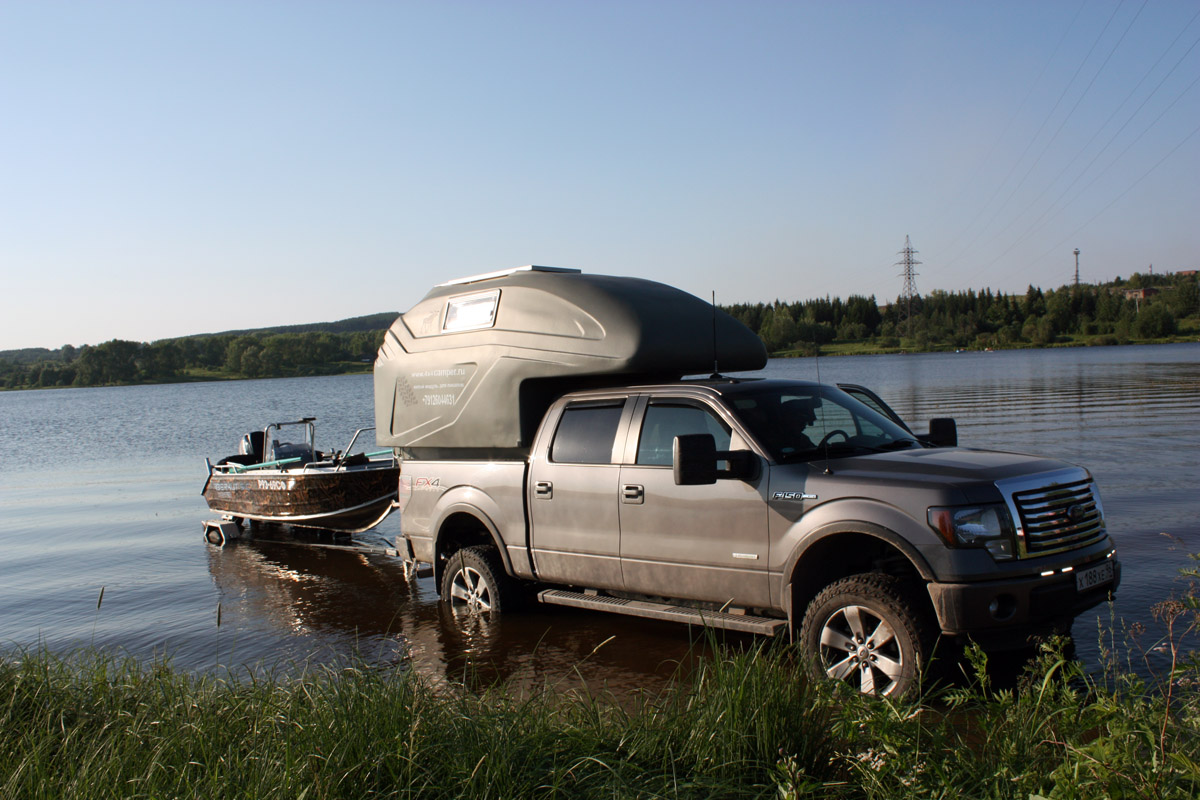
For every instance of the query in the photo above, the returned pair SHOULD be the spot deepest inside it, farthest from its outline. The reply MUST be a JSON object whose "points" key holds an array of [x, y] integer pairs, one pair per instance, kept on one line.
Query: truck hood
{"points": [[970, 475], [947, 464]]}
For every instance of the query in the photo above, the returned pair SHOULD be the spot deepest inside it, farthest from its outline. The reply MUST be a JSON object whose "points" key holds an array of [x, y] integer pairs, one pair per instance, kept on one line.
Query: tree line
{"points": [[252, 355], [1143, 308]]}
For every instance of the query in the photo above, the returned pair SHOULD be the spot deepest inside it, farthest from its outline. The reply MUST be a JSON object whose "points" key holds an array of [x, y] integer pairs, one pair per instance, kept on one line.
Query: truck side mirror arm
{"points": [[743, 465], [694, 460]]}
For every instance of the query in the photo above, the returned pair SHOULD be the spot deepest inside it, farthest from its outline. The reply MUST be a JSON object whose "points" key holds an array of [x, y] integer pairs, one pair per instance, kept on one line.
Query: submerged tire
{"points": [[474, 582], [867, 630]]}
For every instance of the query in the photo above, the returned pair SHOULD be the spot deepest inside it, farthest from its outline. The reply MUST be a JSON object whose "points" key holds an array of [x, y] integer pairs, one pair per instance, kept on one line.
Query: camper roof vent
{"points": [[502, 273]]}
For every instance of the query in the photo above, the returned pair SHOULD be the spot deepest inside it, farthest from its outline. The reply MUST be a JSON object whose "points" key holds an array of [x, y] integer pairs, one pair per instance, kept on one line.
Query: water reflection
{"points": [[366, 605]]}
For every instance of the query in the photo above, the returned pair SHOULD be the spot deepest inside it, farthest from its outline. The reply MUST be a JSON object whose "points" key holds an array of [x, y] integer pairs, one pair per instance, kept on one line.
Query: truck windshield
{"points": [[804, 423]]}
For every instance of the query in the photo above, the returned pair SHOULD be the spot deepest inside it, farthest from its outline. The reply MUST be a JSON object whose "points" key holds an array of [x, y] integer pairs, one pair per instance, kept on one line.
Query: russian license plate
{"points": [[1093, 576]]}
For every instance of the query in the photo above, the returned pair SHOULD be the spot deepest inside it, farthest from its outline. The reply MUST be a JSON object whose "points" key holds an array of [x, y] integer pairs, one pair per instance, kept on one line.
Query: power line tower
{"points": [[910, 283]]}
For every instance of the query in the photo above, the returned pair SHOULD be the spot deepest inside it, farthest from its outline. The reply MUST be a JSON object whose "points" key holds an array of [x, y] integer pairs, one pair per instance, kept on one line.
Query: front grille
{"points": [[1059, 517]]}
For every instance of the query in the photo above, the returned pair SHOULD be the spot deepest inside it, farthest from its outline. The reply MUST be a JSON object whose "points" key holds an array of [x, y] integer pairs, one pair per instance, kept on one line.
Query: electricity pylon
{"points": [[910, 283]]}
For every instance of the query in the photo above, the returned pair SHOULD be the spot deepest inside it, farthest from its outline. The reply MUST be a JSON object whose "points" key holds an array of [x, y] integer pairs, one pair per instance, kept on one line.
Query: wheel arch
{"points": [[464, 525], [841, 549]]}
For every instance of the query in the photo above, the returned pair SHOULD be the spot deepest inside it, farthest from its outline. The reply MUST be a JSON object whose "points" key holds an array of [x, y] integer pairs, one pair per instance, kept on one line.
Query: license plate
{"points": [[1094, 576]]}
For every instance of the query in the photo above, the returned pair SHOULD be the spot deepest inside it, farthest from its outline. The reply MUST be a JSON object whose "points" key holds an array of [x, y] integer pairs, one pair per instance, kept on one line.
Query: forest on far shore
{"points": [[1144, 308]]}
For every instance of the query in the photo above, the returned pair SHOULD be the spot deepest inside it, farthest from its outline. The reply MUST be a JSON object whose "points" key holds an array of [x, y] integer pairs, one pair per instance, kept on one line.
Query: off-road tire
{"points": [[474, 582], [867, 630]]}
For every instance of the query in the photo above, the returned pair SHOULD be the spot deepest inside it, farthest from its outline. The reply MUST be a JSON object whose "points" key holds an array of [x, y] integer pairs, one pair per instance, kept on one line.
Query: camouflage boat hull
{"points": [[350, 500]]}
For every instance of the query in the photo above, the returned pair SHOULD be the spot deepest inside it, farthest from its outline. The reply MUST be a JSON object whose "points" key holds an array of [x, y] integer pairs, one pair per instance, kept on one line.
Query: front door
{"points": [[694, 542]]}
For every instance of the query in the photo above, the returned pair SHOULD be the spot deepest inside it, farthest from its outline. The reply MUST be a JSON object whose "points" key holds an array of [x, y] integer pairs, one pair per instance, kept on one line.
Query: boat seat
{"points": [[356, 460], [282, 450]]}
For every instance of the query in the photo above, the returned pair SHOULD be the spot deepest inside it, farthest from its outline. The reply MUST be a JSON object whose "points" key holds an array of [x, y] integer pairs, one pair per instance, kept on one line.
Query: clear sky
{"points": [[169, 168]]}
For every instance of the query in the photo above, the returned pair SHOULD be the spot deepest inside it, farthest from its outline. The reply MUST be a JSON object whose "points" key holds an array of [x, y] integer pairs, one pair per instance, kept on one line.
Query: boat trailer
{"points": [[220, 532]]}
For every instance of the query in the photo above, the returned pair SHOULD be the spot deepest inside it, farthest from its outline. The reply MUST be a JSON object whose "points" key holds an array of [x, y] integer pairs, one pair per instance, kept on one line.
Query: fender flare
{"points": [[823, 533], [485, 520]]}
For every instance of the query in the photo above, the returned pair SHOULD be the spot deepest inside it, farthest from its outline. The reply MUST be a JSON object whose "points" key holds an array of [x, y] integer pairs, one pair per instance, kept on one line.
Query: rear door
{"points": [[575, 528], [694, 542]]}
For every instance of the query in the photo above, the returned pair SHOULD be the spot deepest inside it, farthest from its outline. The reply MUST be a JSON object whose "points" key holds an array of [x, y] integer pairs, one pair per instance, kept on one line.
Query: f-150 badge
{"points": [[793, 496]]}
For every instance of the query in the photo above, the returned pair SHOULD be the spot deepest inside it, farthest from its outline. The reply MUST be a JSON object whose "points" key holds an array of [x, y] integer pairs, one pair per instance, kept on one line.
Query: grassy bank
{"points": [[746, 726]]}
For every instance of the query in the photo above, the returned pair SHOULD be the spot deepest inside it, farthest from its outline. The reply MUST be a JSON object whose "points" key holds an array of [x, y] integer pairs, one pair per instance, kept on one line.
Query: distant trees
{"points": [[225, 355], [1145, 307], [981, 319]]}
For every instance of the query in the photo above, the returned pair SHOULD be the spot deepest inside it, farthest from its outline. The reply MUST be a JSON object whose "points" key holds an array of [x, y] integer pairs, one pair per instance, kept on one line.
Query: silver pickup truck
{"points": [[777, 507]]}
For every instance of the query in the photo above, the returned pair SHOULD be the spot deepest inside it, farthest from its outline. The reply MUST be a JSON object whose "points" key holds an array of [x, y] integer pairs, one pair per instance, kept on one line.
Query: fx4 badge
{"points": [[793, 496]]}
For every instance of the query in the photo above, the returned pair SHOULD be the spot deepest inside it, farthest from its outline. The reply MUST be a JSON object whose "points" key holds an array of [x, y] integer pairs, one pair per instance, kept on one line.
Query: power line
{"points": [[1033, 140]]}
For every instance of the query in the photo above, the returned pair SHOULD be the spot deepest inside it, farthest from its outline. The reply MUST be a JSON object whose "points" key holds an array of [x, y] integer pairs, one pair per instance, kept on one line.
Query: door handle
{"points": [[543, 490], [633, 493]]}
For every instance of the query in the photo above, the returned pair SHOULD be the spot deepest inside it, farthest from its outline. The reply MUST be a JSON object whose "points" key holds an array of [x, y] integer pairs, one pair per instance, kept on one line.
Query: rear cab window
{"points": [[587, 432]]}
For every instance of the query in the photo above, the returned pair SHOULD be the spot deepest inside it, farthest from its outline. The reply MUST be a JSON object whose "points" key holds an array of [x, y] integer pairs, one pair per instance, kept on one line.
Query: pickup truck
{"points": [[771, 506]]}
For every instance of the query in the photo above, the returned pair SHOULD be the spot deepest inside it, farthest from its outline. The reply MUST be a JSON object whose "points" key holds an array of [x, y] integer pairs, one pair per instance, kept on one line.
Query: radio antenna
{"points": [[716, 367], [819, 403]]}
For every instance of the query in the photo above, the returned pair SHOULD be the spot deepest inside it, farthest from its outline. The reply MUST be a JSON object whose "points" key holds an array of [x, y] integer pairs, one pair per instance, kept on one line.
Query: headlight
{"points": [[987, 526]]}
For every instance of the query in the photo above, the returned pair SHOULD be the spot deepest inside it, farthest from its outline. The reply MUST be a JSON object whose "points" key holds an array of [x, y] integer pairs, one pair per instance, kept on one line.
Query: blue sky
{"points": [[186, 167]]}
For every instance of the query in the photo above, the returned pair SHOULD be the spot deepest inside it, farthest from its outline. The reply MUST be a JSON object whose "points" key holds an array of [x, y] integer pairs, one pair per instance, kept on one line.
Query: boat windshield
{"points": [[810, 422]]}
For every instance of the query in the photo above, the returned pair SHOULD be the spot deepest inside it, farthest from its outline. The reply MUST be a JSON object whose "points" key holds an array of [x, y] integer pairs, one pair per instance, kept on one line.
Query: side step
{"points": [[644, 608]]}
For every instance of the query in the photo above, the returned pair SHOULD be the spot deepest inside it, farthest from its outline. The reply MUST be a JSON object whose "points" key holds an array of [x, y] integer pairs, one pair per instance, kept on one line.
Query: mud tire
{"points": [[474, 582], [869, 631]]}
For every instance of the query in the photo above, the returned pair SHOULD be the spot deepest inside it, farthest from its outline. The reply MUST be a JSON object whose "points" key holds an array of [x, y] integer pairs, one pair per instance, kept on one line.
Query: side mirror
{"points": [[694, 459], [943, 432]]}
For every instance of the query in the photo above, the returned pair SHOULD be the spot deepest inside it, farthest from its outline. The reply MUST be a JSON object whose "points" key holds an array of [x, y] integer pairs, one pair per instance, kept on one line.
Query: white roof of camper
{"points": [[504, 272]]}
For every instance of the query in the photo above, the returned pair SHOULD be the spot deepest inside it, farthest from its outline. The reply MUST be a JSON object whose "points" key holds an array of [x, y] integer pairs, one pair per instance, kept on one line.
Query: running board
{"points": [[642, 608]]}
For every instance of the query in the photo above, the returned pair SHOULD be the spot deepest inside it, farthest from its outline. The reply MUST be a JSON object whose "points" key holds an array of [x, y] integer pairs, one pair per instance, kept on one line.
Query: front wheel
{"points": [[474, 582], [867, 631]]}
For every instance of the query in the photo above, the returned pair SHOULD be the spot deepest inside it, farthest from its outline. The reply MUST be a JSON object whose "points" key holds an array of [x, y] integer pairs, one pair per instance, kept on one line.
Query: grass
{"points": [[746, 725]]}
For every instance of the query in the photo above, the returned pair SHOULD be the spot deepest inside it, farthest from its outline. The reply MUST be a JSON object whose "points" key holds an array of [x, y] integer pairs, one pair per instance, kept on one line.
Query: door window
{"points": [[665, 421]]}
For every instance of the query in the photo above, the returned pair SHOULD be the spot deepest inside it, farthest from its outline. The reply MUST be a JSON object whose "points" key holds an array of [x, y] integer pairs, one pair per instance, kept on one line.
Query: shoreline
{"points": [[823, 352]]}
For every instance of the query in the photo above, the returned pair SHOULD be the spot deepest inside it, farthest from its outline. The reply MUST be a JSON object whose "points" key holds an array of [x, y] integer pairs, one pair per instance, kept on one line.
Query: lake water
{"points": [[100, 492]]}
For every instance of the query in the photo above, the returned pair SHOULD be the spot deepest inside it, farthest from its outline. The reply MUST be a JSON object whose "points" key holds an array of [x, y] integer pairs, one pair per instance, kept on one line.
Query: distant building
{"points": [[1140, 294], [1188, 273]]}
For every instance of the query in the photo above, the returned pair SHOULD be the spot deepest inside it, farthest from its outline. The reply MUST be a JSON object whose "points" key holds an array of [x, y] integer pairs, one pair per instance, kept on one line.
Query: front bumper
{"points": [[1006, 613]]}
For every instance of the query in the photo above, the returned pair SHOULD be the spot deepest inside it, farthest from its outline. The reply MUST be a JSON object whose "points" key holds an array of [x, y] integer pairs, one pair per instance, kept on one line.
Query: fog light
{"points": [[1003, 607]]}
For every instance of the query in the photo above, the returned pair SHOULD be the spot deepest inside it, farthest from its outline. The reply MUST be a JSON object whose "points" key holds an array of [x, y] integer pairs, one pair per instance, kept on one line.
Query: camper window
{"points": [[471, 312]]}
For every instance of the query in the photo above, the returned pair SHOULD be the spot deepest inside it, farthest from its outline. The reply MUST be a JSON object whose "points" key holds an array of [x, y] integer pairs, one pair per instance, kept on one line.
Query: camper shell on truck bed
{"points": [[471, 369]]}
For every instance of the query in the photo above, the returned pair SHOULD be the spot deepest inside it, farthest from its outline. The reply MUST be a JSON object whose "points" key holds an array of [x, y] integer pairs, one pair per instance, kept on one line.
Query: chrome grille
{"points": [[1059, 517]]}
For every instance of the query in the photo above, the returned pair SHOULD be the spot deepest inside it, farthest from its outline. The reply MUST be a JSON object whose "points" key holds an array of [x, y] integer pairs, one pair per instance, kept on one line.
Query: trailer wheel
{"points": [[866, 630], [474, 582]]}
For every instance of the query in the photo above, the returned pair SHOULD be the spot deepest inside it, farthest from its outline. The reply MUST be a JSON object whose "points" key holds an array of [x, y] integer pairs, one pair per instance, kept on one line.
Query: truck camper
{"points": [[474, 365], [552, 447]]}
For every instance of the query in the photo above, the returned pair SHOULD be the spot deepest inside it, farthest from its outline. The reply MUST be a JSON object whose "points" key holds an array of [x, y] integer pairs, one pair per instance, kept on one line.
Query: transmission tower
{"points": [[910, 283]]}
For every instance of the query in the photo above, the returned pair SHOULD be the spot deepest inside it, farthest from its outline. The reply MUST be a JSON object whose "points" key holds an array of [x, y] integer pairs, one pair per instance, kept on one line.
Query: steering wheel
{"points": [[833, 433]]}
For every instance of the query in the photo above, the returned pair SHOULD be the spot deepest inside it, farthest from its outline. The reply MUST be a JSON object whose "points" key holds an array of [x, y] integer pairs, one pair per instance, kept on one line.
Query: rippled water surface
{"points": [[99, 491]]}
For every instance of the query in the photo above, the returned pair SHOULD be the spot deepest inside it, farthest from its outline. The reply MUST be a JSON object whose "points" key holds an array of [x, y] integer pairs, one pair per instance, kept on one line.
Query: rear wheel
{"points": [[867, 630], [474, 582]]}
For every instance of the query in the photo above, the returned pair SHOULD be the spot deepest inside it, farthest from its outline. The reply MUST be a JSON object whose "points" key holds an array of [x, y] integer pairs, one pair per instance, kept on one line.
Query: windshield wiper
{"points": [[899, 444]]}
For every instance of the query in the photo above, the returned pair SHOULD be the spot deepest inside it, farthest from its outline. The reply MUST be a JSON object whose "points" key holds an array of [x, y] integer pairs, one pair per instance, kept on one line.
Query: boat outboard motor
{"points": [[251, 445]]}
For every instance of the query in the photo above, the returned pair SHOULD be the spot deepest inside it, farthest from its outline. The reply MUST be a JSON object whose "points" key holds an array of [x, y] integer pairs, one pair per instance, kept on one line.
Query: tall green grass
{"points": [[95, 727], [746, 723]]}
